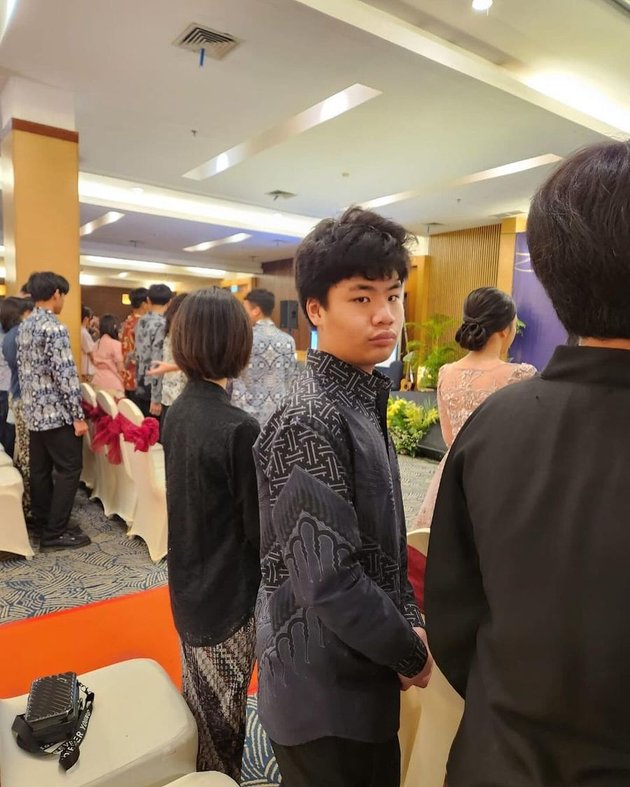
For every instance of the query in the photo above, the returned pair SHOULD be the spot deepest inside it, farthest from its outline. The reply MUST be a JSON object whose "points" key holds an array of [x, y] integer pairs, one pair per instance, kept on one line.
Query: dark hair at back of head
{"points": [[138, 296], [578, 231], [86, 312], [42, 286], [11, 311], [109, 324], [160, 294], [171, 311], [486, 311], [211, 336], [360, 243], [264, 299]]}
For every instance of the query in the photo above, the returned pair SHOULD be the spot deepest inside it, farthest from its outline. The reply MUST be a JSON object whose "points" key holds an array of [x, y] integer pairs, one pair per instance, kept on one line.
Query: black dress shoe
{"points": [[67, 540]]}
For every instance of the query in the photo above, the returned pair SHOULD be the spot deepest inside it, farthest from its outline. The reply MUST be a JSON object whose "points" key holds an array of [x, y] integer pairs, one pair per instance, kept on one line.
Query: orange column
{"points": [[40, 200]]}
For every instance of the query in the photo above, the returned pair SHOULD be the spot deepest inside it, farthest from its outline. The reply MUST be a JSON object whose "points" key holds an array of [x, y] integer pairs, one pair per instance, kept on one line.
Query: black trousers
{"points": [[339, 762], [52, 499]]}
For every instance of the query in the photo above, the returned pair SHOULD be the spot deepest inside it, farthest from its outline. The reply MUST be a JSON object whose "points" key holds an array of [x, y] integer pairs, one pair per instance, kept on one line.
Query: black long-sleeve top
{"points": [[335, 612], [213, 527], [527, 586]]}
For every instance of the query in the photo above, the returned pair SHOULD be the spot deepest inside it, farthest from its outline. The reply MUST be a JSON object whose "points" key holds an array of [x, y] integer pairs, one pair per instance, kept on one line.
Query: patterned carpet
{"points": [[112, 565]]}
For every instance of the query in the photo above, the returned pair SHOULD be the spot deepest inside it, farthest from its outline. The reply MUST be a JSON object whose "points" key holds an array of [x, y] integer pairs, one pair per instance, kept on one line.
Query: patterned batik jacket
{"points": [[47, 373], [335, 610], [128, 341], [150, 332], [270, 372]]}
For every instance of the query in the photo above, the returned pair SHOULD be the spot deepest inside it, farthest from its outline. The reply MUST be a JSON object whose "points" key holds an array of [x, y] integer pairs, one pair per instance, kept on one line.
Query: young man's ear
{"points": [[314, 311]]}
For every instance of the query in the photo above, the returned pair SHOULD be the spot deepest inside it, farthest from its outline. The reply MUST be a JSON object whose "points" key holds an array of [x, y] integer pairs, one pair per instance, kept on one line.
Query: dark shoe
{"points": [[67, 540]]}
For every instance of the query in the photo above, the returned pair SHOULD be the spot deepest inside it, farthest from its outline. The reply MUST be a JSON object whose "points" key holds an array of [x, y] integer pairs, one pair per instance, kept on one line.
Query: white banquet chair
{"points": [[124, 498], [147, 471], [429, 718], [88, 472], [13, 533]]}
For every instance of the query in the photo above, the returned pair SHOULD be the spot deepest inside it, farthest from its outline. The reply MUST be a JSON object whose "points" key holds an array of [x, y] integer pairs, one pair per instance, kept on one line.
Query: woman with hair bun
{"points": [[488, 329]]}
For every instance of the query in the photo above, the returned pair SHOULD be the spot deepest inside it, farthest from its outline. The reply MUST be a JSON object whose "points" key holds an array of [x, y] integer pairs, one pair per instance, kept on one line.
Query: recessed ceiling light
{"points": [[211, 244], [138, 189], [107, 218], [123, 275], [481, 5]]}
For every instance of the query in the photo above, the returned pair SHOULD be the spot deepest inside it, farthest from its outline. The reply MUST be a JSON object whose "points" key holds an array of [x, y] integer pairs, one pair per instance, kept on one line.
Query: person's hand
{"points": [[80, 428], [421, 680], [155, 408], [161, 367]]}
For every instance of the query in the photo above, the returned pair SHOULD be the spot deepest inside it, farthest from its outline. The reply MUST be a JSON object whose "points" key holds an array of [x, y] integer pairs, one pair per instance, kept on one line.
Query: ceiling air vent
{"points": [[279, 194], [214, 44]]}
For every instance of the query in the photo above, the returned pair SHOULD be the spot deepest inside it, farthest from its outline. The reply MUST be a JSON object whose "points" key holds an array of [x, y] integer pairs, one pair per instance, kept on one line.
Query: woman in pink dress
{"points": [[107, 358], [487, 331]]}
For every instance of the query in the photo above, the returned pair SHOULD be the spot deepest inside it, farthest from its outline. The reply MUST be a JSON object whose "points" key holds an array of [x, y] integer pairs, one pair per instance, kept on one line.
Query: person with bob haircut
{"points": [[487, 331], [338, 629], [51, 398], [213, 529], [108, 358], [87, 345], [527, 583]]}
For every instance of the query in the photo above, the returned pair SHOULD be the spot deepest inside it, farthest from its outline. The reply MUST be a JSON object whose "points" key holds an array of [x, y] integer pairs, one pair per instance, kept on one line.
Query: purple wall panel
{"points": [[544, 330]]}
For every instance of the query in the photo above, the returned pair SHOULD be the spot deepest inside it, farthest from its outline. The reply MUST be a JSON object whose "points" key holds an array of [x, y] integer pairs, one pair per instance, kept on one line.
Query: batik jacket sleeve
{"points": [[317, 529]]}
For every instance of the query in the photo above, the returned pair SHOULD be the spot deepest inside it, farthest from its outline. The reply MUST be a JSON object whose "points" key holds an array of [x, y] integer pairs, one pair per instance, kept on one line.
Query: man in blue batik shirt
{"points": [[51, 399], [272, 366]]}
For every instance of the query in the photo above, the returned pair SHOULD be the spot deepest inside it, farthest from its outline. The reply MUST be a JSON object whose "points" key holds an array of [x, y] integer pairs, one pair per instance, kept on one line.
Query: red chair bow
{"points": [[143, 435], [92, 413], [107, 433]]}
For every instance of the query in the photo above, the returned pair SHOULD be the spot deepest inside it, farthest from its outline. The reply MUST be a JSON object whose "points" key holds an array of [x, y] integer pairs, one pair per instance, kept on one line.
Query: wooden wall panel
{"points": [[460, 262], [277, 277]]}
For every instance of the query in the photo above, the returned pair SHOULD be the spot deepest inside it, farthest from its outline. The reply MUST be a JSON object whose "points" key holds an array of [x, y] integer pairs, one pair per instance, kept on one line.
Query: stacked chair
{"points": [[13, 533], [141, 734], [429, 717]]}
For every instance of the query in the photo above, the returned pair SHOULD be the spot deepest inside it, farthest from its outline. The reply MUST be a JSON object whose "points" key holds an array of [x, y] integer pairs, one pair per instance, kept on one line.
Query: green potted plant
{"points": [[408, 424], [427, 354]]}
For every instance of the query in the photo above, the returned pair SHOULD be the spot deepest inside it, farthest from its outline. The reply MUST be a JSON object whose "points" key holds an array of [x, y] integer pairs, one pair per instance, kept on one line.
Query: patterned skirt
{"points": [[21, 452], [215, 681]]}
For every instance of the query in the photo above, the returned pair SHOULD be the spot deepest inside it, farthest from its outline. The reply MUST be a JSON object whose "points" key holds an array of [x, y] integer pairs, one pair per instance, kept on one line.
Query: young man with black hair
{"points": [[52, 409], [150, 333], [527, 585], [338, 629], [139, 306], [272, 365]]}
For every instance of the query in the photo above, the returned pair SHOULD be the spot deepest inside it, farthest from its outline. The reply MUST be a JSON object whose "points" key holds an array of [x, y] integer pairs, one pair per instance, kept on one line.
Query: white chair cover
{"points": [[88, 472], [94, 462], [141, 734], [206, 779], [124, 498], [13, 533], [147, 470], [5, 459], [429, 717]]}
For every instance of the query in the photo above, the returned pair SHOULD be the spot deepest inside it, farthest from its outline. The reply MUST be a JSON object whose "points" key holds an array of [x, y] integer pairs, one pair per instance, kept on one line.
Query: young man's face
{"points": [[362, 321]]}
